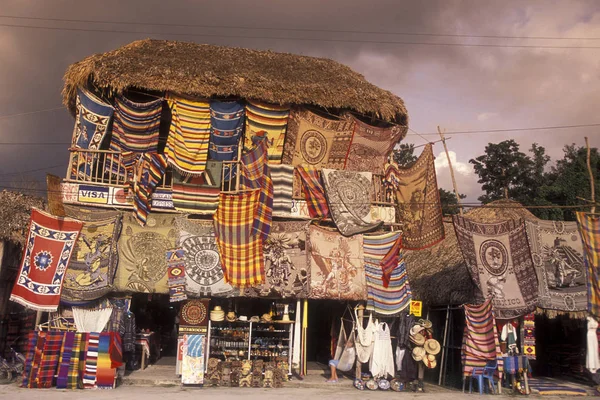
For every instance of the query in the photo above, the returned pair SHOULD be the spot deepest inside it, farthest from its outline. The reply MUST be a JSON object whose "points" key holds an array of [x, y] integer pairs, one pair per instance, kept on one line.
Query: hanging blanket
{"points": [[349, 199], [500, 264], [49, 361], [256, 175], [480, 341], [48, 250], [418, 201], [204, 275], [198, 194], [77, 364], [557, 253], [192, 368], [285, 263], [227, 124], [91, 361], [176, 274], [266, 120], [189, 134], [529, 336], [317, 142], [142, 266], [241, 251], [92, 268], [150, 170], [371, 146], [396, 295], [226, 154], [313, 192], [336, 265], [66, 352], [283, 178], [589, 228]]}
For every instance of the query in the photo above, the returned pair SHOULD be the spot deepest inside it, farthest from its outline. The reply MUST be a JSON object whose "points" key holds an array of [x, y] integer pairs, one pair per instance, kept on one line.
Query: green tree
{"points": [[404, 155], [449, 202]]}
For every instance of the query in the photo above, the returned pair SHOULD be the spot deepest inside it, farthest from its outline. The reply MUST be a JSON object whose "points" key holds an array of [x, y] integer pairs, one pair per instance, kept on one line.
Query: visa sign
{"points": [[92, 194]]}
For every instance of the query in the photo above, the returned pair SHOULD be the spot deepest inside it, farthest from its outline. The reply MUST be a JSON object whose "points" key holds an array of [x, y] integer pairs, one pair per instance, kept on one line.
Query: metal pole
{"points": [[589, 168], [444, 344]]}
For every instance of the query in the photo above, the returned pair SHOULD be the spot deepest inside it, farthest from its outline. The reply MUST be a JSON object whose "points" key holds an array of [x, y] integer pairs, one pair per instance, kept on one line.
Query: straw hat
{"points": [[418, 353], [230, 316], [432, 346], [415, 329], [429, 361], [425, 323], [417, 339], [266, 317], [255, 318], [217, 314], [243, 318]]}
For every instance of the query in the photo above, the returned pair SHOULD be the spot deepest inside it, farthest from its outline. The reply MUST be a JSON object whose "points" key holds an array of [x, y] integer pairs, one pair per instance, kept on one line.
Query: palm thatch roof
{"points": [[500, 210], [209, 71], [15, 212]]}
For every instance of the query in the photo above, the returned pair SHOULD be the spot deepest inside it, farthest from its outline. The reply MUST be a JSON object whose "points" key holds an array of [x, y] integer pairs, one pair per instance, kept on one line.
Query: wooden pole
{"points": [[451, 169], [589, 167]]}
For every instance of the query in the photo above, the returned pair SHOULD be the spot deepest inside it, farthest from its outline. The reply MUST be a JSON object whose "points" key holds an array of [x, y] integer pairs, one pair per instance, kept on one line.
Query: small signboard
{"points": [[416, 308]]}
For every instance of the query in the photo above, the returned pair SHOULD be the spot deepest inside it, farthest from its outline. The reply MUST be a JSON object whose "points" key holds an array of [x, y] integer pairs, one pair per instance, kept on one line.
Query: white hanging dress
{"points": [[365, 338], [382, 362], [592, 361]]}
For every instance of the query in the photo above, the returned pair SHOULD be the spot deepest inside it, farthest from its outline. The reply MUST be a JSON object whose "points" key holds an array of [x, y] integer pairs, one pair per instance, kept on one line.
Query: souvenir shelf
{"points": [[242, 340]]}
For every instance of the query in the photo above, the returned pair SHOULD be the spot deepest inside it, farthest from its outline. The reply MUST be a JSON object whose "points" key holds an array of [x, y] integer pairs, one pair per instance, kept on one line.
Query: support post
{"points": [[358, 367], [444, 344], [451, 170], [589, 168], [304, 329]]}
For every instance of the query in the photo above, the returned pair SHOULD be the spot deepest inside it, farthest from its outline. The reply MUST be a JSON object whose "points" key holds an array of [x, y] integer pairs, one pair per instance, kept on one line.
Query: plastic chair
{"points": [[481, 374]]}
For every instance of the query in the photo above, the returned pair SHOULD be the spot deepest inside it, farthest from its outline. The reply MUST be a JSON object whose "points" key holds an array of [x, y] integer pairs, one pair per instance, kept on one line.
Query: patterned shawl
{"points": [[266, 120], [256, 175], [349, 198], [150, 170], [395, 296], [480, 342], [187, 145], [198, 194], [317, 142], [557, 253], [92, 268], [418, 200], [499, 260], [589, 227], [142, 266], [204, 274], [283, 177], [336, 265], [241, 252], [48, 249], [371, 146], [313, 192], [287, 274]]}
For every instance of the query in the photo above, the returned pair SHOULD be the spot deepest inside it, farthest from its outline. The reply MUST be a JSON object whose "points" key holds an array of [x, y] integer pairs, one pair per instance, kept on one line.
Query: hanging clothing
{"points": [[403, 333], [592, 361], [91, 320], [365, 339], [509, 335], [382, 361], [399, 357]]}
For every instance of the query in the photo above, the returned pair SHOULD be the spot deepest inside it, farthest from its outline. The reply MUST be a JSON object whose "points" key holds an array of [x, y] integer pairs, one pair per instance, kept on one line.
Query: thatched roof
{"points": [[206, 70], [500, 210], [15, 211], [438, 275]]}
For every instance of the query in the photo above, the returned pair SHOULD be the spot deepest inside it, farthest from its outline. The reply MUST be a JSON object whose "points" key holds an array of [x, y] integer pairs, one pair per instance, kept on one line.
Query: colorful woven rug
{"points": [[189, 134], [418, 200], [29, 371], [256, 175], [336, 265], [499, 260], [66, 352], [480, 341], [241, 252], [142, 266], [49, 361], [396, 295], [92, 268], [91, 361], [552, 387], [283, 178], [371, 146], [48, 249], [317, 142], [227, 122], [149, 171], [105, 372], [557, 253], [204, 274], [198, 194], [270, 120], [349, 199], [287, 273], [192, 368], [529, 336], [77, 362], [175, 259], [589, 228], [314, 193]]}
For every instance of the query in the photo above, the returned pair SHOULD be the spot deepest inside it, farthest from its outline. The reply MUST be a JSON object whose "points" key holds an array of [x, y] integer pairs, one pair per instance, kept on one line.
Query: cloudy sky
{"points": [[530, 76]]}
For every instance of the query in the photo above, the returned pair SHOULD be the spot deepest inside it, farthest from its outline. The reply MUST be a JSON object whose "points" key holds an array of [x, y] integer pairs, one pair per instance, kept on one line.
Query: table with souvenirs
{"points": [[149, 343]]}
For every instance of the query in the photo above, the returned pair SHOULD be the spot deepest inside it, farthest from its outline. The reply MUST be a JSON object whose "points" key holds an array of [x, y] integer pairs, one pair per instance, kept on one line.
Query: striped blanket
{"points": [[387, 292], [198, 194], [283, 177], [29, 372], [149, 172], [313, 192], [241, 251], [589, 227], [49, 360], [480, 342], [266, 120], [66, 352], [189, 134], [554, 387], [77, 362], [91, 361], [105, 373], [256, 175]]}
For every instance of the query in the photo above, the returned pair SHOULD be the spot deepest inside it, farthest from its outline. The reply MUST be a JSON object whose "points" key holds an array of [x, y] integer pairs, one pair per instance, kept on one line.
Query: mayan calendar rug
{"points": [[92, 268], [266, 120], [142, 267], [204, 274], [189, 134], [349, 199], [317, 142], [499, 260], [589, 228], [336, 265], [371, 146], [388, 290], [256, 175], [557, 254], [198, 194], [48, 250], [241, 251], [480, 340], [287, 273], [283, 178], [418, 198]]}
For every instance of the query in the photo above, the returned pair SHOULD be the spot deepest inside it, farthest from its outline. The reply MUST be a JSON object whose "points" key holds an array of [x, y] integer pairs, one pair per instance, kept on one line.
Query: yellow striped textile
{"points": [[589, 227], [270, 120]]}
